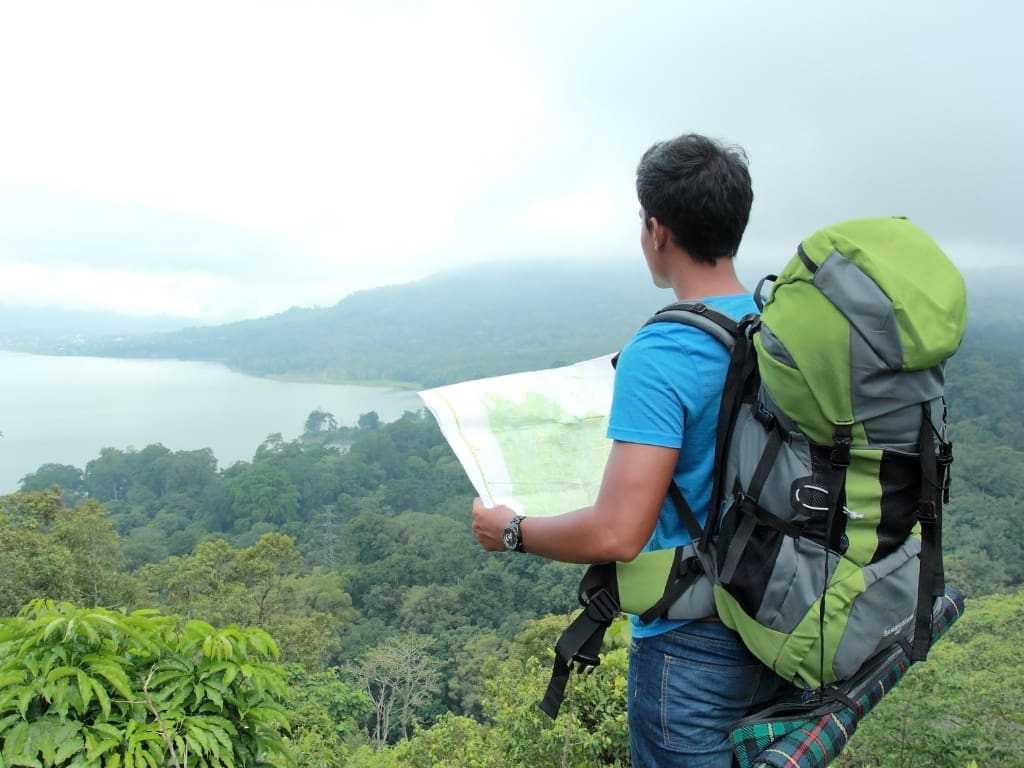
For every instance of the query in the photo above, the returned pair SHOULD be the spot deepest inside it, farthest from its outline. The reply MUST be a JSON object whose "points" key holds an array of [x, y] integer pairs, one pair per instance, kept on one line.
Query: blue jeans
{"points": [[686, 687]]}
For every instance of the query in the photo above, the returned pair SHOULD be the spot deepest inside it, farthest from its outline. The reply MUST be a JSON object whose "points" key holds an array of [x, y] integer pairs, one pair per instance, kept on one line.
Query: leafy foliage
{"points": [[350, 540], [966, 703], [257, 586], [326, 713], [590, 730], [58, 552], [983, 532], [398, 676], [93, 687]]}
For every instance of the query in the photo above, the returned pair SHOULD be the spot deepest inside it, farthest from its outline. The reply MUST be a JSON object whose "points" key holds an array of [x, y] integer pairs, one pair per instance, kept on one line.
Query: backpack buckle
{"points": [[841, 442], [765, 417], [585, 662], [690, 565], [746, 503], [945, 458], [602, 606], [926, 512], [750, 321], [945, 453]]}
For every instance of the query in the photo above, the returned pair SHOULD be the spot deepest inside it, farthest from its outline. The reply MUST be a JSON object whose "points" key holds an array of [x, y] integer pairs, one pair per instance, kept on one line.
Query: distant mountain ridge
{"points": [[455, 325], [485, 320], [50, 325]]}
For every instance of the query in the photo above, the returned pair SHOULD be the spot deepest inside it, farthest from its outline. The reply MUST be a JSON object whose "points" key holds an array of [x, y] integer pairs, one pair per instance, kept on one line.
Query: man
{"points": [[688, 681]]}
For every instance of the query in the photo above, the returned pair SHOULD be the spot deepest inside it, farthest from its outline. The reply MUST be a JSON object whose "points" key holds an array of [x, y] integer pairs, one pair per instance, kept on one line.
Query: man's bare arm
{"points": [[617, 526]]}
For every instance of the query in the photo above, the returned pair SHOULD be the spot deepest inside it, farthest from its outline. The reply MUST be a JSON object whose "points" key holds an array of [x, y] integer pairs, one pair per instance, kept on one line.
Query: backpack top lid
{"points": [[858, 324], [882, 269]]}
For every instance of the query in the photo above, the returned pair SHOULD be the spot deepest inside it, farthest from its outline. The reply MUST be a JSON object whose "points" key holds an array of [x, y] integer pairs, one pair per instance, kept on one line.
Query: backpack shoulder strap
{"points": [[734, 335], [700, 315]]}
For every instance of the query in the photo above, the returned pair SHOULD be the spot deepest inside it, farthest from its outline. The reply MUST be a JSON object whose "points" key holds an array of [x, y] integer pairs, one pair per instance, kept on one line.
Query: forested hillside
{"points": [[401, 643], [465, 324], [450, 327]]}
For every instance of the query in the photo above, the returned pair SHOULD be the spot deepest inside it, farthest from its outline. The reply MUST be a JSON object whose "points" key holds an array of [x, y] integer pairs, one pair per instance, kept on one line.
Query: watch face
{"points": [[510, 539]]}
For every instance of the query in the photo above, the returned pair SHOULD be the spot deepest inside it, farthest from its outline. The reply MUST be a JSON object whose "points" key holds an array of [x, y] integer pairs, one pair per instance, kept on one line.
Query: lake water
{"points": [[63, 410]]}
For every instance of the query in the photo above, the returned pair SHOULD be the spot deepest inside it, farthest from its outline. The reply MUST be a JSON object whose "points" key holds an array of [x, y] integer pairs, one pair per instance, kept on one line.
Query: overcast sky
{"points": [[222, 159]]}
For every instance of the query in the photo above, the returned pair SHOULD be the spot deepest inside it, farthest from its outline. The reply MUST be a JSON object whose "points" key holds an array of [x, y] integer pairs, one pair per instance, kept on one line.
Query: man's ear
{"points": [[659, 233]]}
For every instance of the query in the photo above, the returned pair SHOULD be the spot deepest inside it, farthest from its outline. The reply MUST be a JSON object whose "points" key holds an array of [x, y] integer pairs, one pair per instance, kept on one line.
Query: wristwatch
{"points": [[512, 537]]}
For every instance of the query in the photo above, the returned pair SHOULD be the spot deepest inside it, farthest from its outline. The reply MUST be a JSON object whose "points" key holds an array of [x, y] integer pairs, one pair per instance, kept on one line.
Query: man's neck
{"points": [[694, 280]]}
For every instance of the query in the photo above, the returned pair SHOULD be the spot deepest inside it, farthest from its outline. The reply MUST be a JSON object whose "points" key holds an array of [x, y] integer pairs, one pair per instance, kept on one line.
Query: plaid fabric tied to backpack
{"points": [[807, 735]]}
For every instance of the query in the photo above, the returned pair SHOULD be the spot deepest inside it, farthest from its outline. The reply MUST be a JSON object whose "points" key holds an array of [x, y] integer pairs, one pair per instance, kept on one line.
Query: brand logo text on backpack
{"points": [[896, 628]]}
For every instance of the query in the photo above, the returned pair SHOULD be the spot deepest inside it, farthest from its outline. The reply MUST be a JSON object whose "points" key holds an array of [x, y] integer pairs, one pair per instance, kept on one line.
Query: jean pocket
{"points": [[700, 699]]}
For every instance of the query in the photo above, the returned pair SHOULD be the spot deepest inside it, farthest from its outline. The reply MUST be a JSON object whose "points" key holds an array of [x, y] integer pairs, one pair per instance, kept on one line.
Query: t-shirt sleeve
{"points": [[652, 379]]}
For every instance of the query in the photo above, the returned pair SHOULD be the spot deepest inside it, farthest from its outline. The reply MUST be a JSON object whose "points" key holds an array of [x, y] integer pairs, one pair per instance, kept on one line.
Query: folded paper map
{"points": [[534, 441]]}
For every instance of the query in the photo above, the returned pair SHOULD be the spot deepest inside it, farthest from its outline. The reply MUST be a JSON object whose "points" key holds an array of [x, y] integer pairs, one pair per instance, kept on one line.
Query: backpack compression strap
{"points": [[934, 491], [581, 642], [835, 529]]}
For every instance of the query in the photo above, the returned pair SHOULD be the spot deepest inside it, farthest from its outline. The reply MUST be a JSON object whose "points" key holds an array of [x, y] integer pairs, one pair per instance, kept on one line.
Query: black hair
{"points": [[699, 189]]}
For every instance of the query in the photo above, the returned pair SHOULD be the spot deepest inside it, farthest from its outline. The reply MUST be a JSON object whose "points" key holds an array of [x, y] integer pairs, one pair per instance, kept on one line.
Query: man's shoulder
{"points": [[670, 348], [734, 306]]}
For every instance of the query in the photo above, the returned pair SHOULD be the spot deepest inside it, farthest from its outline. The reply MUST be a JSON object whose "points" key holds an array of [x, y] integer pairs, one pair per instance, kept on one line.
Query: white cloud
{"points": [[585, 219], [231, 156], [978, 254], [274, 115], [179, 294]]}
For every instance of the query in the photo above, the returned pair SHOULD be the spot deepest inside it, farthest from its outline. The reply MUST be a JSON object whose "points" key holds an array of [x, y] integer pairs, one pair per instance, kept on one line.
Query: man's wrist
{"points": [[513, 536]]}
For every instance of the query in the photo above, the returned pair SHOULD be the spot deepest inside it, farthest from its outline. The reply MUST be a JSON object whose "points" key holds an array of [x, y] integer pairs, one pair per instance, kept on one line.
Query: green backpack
{"points": [[822, 547]]}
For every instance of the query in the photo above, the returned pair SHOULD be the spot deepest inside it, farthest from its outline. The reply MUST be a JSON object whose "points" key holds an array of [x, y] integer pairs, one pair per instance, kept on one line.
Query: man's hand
{"points": [[489, 525]]}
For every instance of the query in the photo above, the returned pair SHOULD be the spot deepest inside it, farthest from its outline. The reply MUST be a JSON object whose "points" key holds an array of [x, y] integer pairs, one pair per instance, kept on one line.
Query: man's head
{"points": [[698, 189]]}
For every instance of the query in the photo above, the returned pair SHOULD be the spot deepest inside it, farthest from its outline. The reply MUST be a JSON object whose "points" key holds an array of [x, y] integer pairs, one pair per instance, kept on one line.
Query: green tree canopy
{"points": [[93, 687]]}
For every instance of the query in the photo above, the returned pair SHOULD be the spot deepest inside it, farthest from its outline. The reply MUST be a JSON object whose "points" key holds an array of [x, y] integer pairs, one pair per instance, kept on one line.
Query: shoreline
{"points": [[296, 377]]}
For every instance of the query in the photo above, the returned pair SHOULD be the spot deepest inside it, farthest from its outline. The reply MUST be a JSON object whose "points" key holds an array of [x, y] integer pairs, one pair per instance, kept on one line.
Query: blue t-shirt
{"points": [[668, 388]]}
